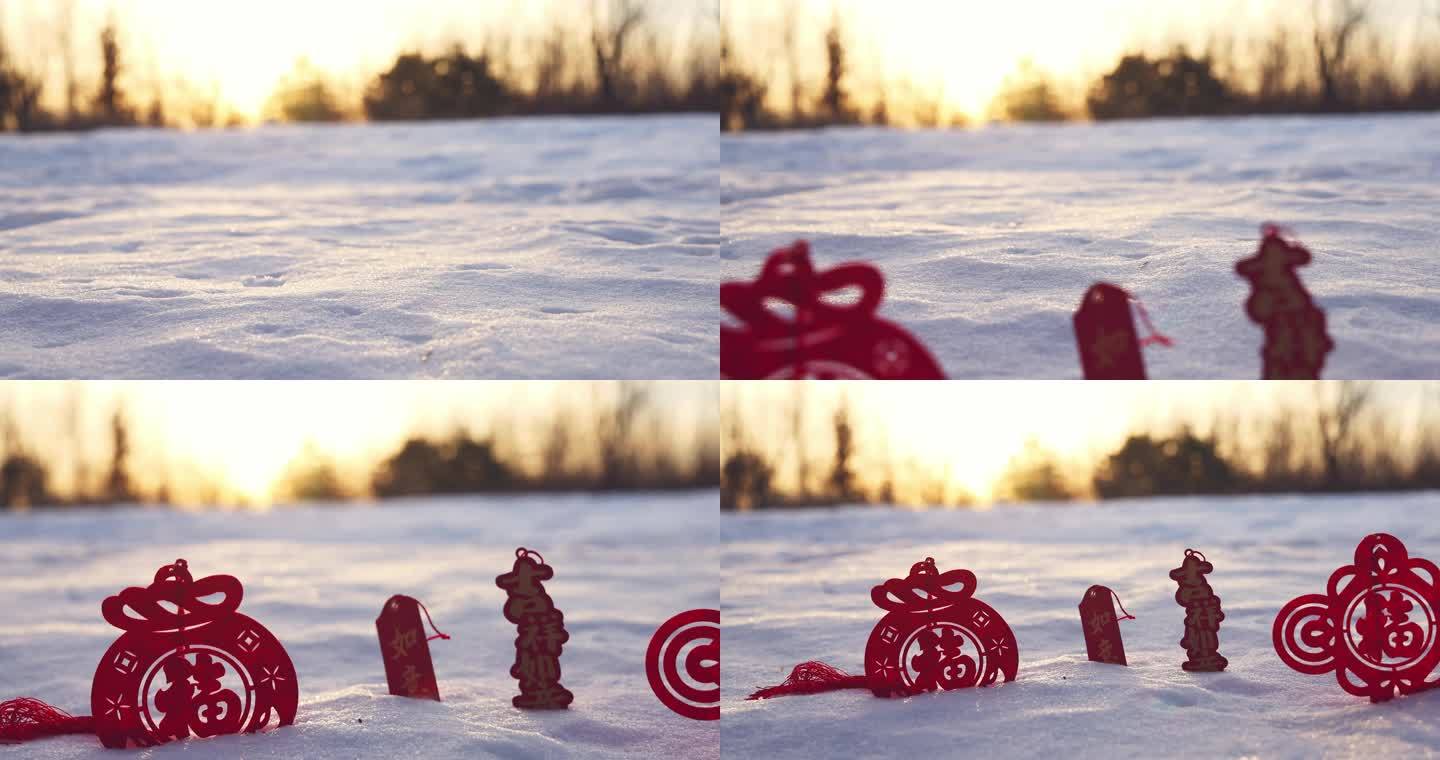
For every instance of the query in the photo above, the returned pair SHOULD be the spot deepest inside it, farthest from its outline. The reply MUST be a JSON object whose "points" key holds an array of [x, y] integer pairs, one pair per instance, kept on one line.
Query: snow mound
{"points": [[521, 248], [988, 238], [797, 587], [317, 577]]}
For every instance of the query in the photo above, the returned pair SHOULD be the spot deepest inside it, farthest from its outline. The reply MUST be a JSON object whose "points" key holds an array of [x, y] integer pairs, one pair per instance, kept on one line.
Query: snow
{"points": [[797, 587], [518, 248], [989, 237], [317, 577]]}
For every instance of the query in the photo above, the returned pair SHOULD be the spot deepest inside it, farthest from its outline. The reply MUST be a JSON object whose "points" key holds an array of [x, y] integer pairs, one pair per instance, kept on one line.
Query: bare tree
{"points": [[1335, 416], [608, 38], [1334, 33]]}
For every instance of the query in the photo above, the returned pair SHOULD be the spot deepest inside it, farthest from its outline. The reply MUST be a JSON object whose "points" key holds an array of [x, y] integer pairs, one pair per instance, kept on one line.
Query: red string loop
{"points": [[433, 627], [1121, 605], [1155, 337]]}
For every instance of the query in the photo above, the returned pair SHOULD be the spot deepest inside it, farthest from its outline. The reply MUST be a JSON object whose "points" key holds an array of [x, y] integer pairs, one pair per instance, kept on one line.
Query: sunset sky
{"points": [[972, 430], [242, 435], [961, 51], [242, 49]]}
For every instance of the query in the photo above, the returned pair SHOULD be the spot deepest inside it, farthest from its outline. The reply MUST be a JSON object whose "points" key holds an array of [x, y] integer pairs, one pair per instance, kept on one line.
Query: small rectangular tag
{"points": [[1105, 335], [405, 649], [1102, 627]]}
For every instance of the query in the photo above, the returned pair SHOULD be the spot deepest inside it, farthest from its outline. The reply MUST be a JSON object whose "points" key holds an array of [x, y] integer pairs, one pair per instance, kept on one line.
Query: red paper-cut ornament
{"points": [[823, 340], [693, 637], [1202, 614], [1375, 626], [1296, 340], [188, 667], [541, 630], [406, 649], [1106, 337], [1102, 626], [935, 636]]}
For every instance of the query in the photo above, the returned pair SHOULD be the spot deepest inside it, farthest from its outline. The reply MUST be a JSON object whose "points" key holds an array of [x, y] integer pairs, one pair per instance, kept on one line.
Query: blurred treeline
{"points": [[1337, 439], [618, 442], [613, 57], [1337, 58]]}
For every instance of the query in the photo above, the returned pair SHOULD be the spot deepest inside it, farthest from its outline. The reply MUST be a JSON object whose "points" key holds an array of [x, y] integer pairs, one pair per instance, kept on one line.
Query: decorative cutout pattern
{"points": [[691, 637]]}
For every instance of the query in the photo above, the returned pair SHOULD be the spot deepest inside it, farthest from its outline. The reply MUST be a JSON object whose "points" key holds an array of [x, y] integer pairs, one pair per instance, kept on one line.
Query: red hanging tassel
{"points": [[813, 678], [24, 719]]}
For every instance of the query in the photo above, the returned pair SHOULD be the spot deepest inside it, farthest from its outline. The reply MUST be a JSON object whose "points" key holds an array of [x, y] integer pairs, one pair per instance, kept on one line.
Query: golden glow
{"points": [[234, 441], [970, 432], [959, 53]]}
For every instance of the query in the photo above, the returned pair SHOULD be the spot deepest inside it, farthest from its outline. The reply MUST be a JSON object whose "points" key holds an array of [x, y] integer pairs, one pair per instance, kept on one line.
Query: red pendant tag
{"points": [[1376, 626], [935, 636], [821, 340], [1105, 334], [1296, 340], [406, 649], [692, 638], [186, 666], [1102, 626], [1202, 614], [541, 630]]}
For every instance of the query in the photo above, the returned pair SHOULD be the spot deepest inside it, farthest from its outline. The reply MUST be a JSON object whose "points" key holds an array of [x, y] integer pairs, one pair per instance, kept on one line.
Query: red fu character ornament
{"points": [[693, 638], [823, 340], [541, 630], [935, 636], [1202, 614], [185, 666], [1375, 625], [1106, 337], [1295, 338], [405, 648], [1102, 626]]}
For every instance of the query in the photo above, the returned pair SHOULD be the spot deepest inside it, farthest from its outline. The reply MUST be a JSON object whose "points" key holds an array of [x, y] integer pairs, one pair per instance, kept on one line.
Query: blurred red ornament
{"points": [[1375, 626], [935, 636], [822, 340], [188, 667], [1102, 625], [1202, 614], [693, 637], [1296, 340], [541, 630], [406, 649], [1106, 337]]}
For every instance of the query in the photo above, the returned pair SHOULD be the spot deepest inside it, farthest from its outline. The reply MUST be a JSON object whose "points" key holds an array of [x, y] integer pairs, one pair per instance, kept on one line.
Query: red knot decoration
{"points": [[1375, 626], [1296, 340], [691, 638], [186, 666], [541, 633], [935, 636], [821, 339]]}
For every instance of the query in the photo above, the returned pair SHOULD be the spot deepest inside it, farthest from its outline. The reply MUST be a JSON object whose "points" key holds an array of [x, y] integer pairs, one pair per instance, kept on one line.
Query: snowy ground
{"points": [[797, 587], [317, 577], [988, 238], [524, 248]]}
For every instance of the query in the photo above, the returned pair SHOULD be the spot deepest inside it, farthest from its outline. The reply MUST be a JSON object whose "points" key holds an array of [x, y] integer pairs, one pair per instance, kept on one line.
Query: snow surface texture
{"points": [[518, 248], [989, 238], [797, 587], [317, 578]]}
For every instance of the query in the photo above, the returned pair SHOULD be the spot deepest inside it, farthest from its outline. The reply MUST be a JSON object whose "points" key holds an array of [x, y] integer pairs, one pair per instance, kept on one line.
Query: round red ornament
{"points": [[188, 664], [1376, 624], [936, 636], [692, 638], [822, 339]]}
